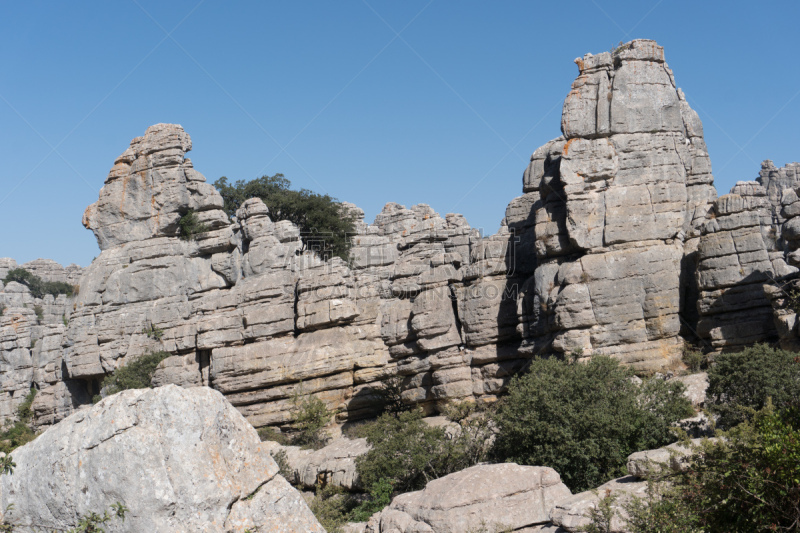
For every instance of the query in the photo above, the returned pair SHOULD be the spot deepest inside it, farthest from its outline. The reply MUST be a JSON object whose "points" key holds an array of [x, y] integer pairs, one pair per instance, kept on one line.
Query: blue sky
{"points": [[438, 102]]}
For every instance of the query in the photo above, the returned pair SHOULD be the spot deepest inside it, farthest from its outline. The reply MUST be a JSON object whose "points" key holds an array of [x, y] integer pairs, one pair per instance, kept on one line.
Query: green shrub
{"points": [[749, 481], [272, 434], [190, 226], [311, 417], [380, 496], [332, 506], [153, 332], [407, 453], [65, 320], [584, 419], [38, 287], [746, 379], [390, 396], [24, 411], [694, 360], [2, 309], [323, 223], [282, 460], [39, 312], [18, 433], [136, 374]]}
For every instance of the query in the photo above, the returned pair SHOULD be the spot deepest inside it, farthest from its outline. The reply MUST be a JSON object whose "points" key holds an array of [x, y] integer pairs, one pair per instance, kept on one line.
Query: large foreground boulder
{"points": [[492, 497], [179, 459]]}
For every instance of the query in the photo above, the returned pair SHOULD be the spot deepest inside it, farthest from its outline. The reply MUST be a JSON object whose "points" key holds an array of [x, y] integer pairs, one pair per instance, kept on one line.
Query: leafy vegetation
{"points": [[153, 332], [39, 312], [308, 431], [324, 225], [749, 481], [584, 419], [745, 380], [311, 417], [190, 226], [18, 433], [137, 374], [38, 287], [694, 359], [407, 452]]}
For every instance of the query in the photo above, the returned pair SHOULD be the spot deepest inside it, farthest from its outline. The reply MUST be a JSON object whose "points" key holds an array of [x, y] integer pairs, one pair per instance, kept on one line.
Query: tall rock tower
{"points": [[616, 204]]}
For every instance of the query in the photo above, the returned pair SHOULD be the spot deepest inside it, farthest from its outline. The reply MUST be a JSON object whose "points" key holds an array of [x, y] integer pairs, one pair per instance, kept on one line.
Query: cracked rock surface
{"points": [[179, 459]]}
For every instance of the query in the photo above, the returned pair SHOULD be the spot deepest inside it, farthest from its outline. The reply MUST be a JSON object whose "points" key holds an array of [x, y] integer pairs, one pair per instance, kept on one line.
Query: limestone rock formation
{"points": [[502, 496], [179, 459], [31, 333], [617, 246], [617, 201], [572, 513], [334, 464], [733, 267]]}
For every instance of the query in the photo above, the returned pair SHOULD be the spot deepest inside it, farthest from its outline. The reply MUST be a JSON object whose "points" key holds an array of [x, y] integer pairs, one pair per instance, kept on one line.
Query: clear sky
{"points": [[434, 101]]}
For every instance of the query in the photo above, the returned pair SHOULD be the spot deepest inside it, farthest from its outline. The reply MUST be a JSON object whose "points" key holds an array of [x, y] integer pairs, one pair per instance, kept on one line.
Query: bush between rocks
{"points": [[137, 374], [745, 380], [584, 419]]}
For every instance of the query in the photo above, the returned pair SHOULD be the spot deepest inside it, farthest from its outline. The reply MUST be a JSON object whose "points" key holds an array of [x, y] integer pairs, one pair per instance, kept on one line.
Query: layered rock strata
{"points": [[616, 204], [31, 335], [617, 246]]}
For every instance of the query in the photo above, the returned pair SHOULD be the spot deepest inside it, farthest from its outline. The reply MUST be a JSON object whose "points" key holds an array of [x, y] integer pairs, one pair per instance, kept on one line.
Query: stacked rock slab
{"points": [[31, 332], [734, 266], [244, 308], [616, 203], [613, 248]]}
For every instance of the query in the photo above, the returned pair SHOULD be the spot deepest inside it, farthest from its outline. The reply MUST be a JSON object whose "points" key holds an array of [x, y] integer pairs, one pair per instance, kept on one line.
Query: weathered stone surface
{"points": [[151, 185], [733, 267], [503, 496], [617, 246], [572, 512], [696, 385], [333, 464], [616, 205], [674, 457], [179, 459]]}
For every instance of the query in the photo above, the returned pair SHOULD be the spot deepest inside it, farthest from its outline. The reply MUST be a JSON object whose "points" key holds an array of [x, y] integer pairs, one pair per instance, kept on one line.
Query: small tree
{"points": [[324, 224], [584, 419], [744, 380], [136, 374], [38, 287], [190, 226]]}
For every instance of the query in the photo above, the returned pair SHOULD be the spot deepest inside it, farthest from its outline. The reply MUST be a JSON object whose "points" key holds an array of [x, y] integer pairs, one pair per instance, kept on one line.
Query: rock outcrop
{"points": [[616, 204], [178, 459], [618, 246], [31, 335], [494, 497]]}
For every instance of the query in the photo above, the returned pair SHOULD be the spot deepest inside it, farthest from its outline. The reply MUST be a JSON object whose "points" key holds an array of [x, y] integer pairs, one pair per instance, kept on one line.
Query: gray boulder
{"points": [[179, 459], [498, 497]]}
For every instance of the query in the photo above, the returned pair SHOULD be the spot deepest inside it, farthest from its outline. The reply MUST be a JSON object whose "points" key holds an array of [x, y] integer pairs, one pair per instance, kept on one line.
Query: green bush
{"points": [[584, 419], [311, 417], [136, 374], [190, 226], [39, 312], [308, 430], [746, 379], [749, 481], [19, 432], [323, 224], [332, 507], [153, 332], [38, 287], [407, 453]]}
